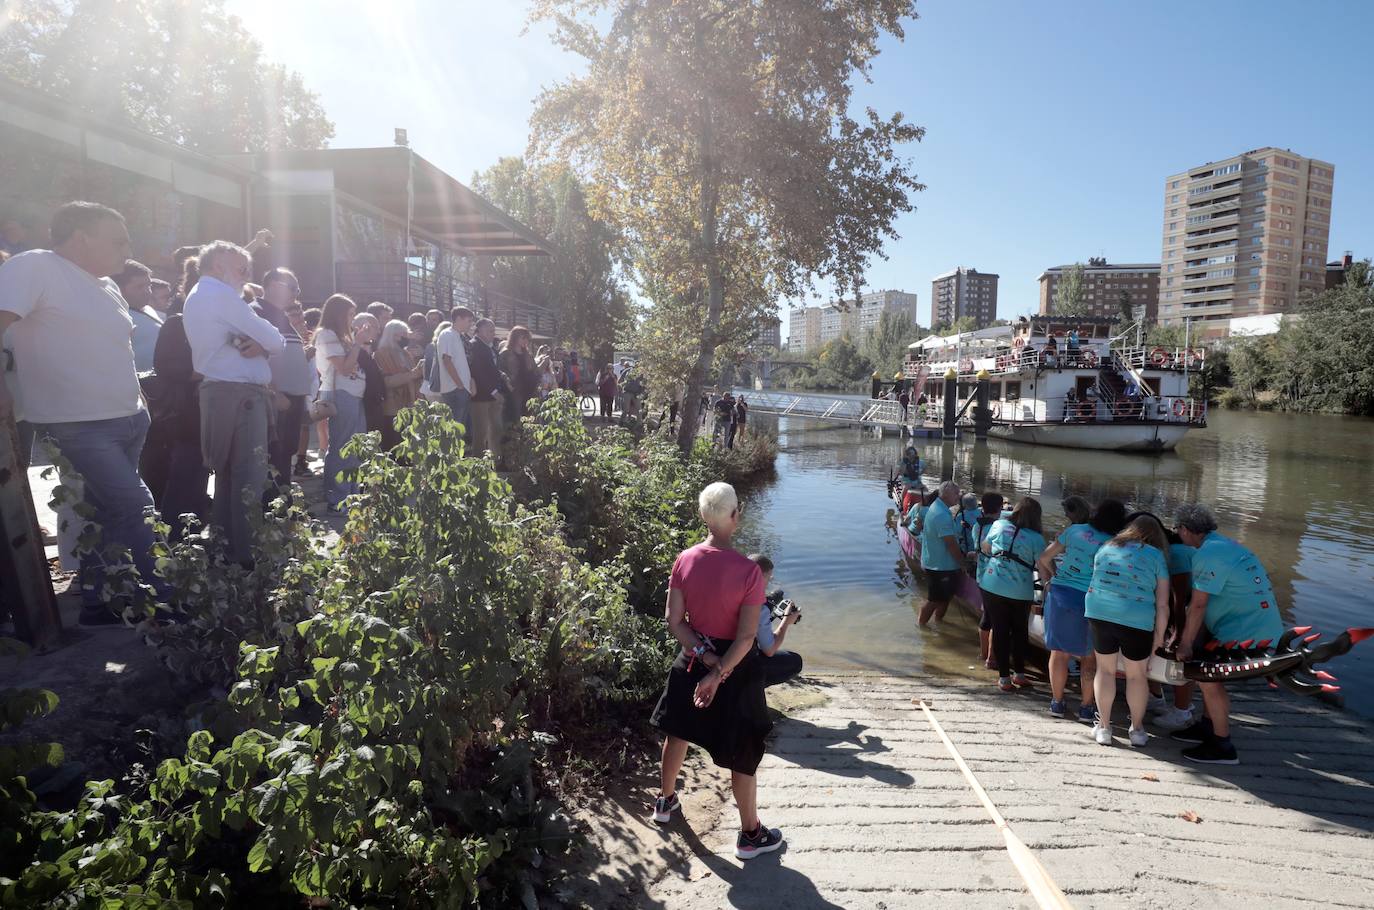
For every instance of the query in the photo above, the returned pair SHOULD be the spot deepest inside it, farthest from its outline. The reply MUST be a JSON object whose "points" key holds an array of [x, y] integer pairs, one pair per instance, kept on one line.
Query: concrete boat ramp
{"points": [[878, 816]]}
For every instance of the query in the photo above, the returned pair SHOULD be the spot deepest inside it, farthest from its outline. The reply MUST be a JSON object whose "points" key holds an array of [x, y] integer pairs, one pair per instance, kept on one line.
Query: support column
{"points": [[982, 412], [951, 403]]}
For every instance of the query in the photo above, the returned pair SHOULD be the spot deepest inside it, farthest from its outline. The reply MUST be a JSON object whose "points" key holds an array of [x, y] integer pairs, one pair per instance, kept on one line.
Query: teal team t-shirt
{"points": [[1081, 543], [1123, 585], [1240, 603], [939, 524], [1004, 575], [1181, 558]]}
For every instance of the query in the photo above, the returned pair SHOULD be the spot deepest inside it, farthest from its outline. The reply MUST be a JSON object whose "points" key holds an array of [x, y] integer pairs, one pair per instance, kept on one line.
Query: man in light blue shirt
{"points": [[230, 347], [1233, 597], [940, 553]]}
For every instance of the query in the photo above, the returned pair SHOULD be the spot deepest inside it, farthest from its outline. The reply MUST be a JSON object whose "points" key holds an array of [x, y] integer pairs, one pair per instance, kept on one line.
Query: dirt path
{"points": [[877, 815]]}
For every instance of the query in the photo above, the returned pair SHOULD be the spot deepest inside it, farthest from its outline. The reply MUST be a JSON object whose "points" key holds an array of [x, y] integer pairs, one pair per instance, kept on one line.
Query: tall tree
{"points": [[715, 135], [581, 281], [1123, 304], [1070, 295], [187, 72], [885, 345]]}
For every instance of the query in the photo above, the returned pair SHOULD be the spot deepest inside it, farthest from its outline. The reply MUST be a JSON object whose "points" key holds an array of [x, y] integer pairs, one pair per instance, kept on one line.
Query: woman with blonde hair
{"points": [[1127, 606], [402, 372]]}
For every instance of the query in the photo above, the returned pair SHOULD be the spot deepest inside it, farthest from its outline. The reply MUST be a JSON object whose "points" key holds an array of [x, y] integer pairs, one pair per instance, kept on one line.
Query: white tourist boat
{"points": [[1065, 381]]}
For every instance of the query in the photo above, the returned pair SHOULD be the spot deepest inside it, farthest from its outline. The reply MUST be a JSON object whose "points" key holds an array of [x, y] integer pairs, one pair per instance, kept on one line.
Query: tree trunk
{"points": [[715, 280]]}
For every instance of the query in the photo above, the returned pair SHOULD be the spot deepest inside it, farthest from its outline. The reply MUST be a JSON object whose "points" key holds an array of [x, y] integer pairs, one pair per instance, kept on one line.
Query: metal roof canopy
{"points": [[442, 207]]}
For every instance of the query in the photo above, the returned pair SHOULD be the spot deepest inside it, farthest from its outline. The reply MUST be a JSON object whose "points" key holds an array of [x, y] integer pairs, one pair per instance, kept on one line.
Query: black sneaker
{"points": [[664, 807], [764, 840], [1213, 751], [1197, 734]]}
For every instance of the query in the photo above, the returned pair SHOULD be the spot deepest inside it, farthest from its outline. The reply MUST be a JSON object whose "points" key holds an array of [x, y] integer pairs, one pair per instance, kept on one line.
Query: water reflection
{"points": [[1293, 488]]}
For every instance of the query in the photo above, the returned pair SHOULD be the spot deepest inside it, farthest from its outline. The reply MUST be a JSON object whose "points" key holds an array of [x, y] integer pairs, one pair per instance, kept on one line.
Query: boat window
{"points": [[1013, 391]]}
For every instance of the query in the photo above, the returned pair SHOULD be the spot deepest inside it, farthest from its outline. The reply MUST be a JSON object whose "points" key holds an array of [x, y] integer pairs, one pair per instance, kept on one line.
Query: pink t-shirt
{"points": [[715, 583]]}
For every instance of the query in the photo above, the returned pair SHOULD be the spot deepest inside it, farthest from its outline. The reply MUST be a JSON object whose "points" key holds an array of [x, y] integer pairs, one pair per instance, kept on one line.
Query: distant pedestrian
{"points": [[1008, 587], [382, 312], [343, 384], [451, 371], [490, 384], [606, 387], [135, 283], [402, 374], [741, 416], [292, 371]]}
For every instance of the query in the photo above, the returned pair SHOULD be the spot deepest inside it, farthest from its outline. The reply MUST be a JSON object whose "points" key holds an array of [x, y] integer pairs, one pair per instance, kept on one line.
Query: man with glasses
{"points": [[280, 305], [230, 347]]}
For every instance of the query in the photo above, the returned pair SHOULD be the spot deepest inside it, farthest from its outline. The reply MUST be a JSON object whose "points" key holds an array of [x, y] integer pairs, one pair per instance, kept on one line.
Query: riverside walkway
{"points": [[877, 815]]}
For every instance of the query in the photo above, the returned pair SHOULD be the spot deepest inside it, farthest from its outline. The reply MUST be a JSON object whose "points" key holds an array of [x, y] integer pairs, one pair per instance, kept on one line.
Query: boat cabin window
{"points": [[1013, 391]]}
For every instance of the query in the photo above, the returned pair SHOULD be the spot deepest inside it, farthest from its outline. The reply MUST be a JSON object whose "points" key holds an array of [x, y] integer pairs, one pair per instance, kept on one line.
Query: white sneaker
{"points": [[1175, 719], [1103, 735], [1138, 737], [1156, 705]]}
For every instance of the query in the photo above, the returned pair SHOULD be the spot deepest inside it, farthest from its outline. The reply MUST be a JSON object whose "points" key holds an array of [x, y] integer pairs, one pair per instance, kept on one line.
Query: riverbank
{"points": [[878, 817]]}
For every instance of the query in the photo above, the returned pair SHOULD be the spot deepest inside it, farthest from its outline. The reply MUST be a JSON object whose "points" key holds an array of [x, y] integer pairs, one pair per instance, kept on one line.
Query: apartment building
{"points": [[768, 332], [1245, 236], [1109, 289], [811, 327], [963, 292]]}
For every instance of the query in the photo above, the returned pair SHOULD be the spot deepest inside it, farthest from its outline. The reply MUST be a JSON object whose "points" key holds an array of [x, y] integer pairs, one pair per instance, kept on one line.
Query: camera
{"points": [[780, 606]]}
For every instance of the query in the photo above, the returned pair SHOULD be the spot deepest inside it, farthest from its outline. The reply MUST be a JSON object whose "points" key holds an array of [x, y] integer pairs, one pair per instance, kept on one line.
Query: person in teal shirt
{"points": [[1008, 585], [1127, 606], [992, 510], [1234, 600], [1066, 625], [940, 554]]}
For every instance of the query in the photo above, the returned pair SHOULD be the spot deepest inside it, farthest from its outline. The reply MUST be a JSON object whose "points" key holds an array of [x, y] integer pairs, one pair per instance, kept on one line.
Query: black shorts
{"points": [[1111, 637], [941, 584]]}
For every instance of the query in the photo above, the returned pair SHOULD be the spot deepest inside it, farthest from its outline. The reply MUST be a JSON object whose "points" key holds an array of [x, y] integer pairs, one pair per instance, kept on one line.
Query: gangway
{"points": [[868, 412]]}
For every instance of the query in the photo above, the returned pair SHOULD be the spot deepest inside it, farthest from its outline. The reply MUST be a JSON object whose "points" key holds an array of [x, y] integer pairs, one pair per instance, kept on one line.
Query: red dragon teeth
{"points": [[1328, 688], [1264, 644], [1323, 675], [1245, 645], [1301, 630], [1359, 635], [1212, 645], [1313, 637]]}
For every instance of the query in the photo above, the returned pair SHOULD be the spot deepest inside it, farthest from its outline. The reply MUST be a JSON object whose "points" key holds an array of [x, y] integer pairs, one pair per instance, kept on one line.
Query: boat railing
{"points": [[1159, 357], [1097, 409]]}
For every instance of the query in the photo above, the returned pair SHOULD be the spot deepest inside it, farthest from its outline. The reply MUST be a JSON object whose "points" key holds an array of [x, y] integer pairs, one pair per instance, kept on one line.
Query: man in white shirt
{"points": [[69, 330], [455, 376], [230, 347]]}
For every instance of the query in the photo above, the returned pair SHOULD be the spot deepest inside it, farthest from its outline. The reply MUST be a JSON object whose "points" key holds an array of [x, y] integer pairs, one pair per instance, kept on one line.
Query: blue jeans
{"points": [[105, 454], [349, 421], [459, 401]]}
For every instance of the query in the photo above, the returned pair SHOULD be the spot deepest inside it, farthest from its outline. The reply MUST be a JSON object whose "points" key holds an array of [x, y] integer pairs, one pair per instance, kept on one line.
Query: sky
{"points": [[1050, 126]]}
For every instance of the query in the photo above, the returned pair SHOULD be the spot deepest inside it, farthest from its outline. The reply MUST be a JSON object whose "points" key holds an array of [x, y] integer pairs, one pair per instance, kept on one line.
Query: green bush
{"points": [[394, 700]]}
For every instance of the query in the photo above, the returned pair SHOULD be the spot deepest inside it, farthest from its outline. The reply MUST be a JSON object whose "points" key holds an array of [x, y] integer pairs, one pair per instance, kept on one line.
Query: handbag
{"points": [[321, 409]]}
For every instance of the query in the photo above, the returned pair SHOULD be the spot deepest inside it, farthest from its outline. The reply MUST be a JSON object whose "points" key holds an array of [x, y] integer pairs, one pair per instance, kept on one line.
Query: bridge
{"points": [[851, 410]]}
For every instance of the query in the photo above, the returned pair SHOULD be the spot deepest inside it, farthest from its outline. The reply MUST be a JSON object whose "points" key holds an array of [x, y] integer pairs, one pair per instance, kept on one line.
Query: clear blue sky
{"points": [[1050, 126]]}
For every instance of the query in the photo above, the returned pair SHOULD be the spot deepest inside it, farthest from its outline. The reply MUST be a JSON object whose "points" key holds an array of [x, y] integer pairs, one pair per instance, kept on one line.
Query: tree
{"points": [[885, 344], [1070, 295], [187, 73], [715, 136], [581, 281], [1127, 312]]}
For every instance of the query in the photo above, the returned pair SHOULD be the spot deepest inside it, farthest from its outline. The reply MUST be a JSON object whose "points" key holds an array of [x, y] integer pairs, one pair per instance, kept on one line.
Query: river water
{"points": [[1295, 489]]}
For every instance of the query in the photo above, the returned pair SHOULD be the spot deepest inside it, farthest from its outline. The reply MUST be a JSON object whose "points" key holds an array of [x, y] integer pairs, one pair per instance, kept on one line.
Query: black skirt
{"points": [[733, 726]]}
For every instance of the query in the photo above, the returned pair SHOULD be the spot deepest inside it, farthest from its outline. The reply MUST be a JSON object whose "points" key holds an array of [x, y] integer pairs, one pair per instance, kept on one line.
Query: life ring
{"points": [[1019, 343], [1090, 359], [1180, 407], [1159, 357], [1194, 358]]}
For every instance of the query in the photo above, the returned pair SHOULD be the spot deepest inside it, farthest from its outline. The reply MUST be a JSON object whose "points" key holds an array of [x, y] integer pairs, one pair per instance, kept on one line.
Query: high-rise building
{"points": [[1245, 236], [1111, 290], [1336, 271], [963, 292], [768, 332], [811, 327]]}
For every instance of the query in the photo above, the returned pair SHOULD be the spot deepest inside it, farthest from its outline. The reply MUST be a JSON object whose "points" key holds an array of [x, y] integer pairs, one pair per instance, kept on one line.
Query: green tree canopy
{"points": [[188, 73], [715, 135], [885, 344], [581, 281], [1070, 295]]}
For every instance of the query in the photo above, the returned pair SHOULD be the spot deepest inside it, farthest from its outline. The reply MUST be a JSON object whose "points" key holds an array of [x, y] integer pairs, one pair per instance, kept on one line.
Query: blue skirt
{"points": [[1066, 629]]}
